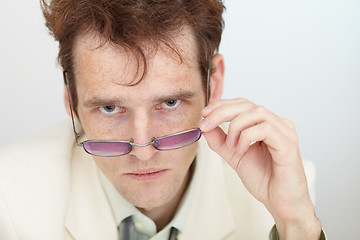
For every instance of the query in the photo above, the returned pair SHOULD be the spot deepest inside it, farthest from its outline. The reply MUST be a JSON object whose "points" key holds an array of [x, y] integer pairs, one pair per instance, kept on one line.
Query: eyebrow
{"points": [[98, 101], [180, 94]]}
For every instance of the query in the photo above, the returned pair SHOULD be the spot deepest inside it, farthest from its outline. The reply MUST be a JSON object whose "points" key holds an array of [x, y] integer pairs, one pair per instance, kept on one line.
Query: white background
{"points": [[300, 59]]}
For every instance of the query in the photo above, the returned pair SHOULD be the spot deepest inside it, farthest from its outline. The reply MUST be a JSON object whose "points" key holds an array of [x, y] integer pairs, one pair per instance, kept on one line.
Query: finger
{"points": [[251, 118], [275, 141], [216, 140], [220, 102], [224, 113]]}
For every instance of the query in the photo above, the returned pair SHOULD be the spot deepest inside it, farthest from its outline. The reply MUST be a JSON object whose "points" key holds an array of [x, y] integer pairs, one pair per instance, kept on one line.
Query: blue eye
{"points": [[171, 104], [109, 109]]}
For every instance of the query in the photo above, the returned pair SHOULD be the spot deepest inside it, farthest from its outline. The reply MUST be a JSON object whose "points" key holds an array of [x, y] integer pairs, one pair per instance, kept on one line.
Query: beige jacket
{"points": [[44, 194]]}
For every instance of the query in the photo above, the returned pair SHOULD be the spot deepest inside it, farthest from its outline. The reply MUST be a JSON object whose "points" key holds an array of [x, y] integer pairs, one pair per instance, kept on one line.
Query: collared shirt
{"points": [[145, 227]]}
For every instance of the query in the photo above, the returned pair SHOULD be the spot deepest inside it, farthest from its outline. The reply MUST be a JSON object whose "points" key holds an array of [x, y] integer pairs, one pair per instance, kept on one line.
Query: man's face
{"points": [[168, 100]]}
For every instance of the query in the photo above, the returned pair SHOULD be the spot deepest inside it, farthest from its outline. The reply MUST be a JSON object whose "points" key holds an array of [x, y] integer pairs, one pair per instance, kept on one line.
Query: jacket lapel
{"points": [[89, 215], [210, 215]]}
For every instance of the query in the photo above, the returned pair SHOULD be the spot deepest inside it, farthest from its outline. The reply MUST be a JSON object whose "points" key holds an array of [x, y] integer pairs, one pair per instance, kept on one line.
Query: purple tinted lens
{"points": [[177, 141], [107, 149]]}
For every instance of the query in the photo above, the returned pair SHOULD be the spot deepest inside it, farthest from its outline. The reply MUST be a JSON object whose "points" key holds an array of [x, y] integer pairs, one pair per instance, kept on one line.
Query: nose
{"points": [[143, 153], [142, 134]]}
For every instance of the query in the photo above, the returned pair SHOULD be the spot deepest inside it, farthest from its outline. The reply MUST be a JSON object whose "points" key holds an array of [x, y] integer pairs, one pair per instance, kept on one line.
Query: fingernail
{"points": [[204, 123]]}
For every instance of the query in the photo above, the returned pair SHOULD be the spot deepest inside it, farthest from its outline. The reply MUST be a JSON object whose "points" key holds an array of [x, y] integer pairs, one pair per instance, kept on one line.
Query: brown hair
{"points": [[130, 23]]}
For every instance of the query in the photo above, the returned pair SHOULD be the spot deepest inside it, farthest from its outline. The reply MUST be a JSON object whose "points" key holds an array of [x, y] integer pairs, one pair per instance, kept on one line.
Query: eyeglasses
{"points": [[111, 148]]}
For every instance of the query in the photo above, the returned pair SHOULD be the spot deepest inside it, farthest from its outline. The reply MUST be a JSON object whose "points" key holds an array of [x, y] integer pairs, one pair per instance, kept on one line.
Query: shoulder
{"points": [[35, 178], [38, 157], [49, 142]]}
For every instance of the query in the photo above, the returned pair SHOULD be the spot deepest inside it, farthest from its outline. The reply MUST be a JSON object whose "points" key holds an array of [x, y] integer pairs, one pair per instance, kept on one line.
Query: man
{"points": [[141, 78]]}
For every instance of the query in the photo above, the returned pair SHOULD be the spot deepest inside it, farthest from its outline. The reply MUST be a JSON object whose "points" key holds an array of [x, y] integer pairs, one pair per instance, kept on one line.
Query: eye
{"points": [[171, 104], [109, 109]]}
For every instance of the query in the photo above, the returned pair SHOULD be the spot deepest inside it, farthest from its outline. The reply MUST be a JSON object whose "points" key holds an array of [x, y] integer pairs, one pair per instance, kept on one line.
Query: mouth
{"points": [[147, 174]]}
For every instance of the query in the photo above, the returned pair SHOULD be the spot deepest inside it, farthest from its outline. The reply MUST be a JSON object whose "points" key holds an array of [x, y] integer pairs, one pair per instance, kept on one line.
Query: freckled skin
{"points": [[103, 72]]}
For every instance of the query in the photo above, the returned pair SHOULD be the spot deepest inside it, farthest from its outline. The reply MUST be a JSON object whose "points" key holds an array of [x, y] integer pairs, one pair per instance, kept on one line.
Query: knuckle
{"points": [[235, 124], [289, 123], [246, 137], [260, 109], [268, 127], [248, 105]]}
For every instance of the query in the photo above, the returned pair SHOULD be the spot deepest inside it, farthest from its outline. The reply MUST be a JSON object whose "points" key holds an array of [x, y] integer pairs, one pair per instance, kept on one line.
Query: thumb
{"points": [[216, 140]]}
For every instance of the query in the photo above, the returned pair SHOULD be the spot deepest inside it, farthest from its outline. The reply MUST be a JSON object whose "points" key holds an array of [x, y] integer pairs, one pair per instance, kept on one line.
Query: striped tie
{"points": [[127, 230]]}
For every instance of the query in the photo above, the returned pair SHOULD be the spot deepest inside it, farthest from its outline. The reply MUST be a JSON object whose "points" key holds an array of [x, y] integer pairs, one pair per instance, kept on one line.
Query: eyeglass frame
{"points": [[131, 141]]}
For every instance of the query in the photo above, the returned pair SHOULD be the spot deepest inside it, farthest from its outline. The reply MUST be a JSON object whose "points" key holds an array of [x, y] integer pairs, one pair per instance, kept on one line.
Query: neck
{"points": [[163, 215]]}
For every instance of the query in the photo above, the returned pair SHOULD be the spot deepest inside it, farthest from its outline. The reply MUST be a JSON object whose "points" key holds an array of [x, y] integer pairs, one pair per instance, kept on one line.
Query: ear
{"points": [[217, 77]]}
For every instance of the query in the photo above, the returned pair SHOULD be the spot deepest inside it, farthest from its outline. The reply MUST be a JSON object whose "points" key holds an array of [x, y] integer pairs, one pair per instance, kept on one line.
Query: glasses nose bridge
{"points": [[143, 151], [141, 145]]}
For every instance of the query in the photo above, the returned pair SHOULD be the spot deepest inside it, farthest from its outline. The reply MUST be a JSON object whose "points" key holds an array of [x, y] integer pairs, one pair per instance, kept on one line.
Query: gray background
{"points": [[300, 59]]}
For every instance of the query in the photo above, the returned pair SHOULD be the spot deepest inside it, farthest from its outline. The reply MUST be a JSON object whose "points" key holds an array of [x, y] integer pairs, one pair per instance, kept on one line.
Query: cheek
{"points": [[107, 165], [96, 128], [102, 128], [188, 117], [177, 123], [182, 158]]}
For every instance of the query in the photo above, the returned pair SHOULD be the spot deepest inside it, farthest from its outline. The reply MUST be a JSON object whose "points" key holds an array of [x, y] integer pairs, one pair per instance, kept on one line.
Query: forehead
{"points": [[91, 54], [105, 72]]}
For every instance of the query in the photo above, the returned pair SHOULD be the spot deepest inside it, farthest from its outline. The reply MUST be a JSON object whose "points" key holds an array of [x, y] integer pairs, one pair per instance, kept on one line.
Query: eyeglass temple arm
{"points": [[77, 135], [208, 82]]}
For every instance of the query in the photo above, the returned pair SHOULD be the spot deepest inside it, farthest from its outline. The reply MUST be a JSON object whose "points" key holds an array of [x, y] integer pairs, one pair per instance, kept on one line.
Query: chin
{"points": [[149, 195]]}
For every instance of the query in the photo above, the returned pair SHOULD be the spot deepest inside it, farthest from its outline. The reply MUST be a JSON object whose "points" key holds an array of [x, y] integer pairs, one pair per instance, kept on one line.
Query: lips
{"points": [[147, 174]]}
